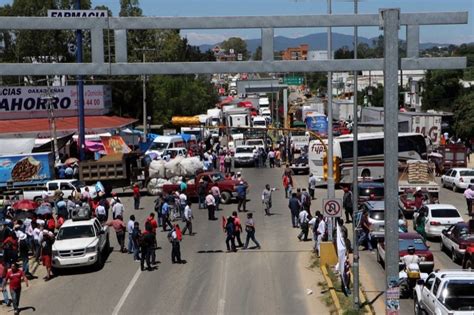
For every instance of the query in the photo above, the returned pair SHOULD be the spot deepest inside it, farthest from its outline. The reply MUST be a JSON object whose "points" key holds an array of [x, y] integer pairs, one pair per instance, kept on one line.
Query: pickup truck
{"points": [[81, 242], [67, 186], [446, 292], [226, 186]]}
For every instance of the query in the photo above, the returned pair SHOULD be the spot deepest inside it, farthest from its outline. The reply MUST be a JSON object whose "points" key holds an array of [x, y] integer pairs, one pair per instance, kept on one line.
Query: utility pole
{"points": [[49, 97], [355, 176], [80, 93], [145, 120], [331, 189], [391, 24]]}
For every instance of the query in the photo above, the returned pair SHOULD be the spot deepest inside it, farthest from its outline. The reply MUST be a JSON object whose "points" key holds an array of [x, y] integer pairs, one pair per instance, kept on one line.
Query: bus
{"points": [[411, 146]]}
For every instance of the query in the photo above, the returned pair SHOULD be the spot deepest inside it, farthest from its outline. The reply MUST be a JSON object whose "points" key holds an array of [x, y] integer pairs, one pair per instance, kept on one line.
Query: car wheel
{"points": [[454, 257], [417, 307], [226, 197], [469, 265], [441, 246], [100, 261]]}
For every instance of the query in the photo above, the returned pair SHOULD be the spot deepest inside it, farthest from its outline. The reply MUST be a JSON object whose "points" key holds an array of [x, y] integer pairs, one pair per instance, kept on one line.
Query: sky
{"points": [[452, 34]]}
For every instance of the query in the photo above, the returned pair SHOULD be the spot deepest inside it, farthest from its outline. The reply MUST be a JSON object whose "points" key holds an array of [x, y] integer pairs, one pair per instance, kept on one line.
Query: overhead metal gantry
{"points": [[389, 20]]}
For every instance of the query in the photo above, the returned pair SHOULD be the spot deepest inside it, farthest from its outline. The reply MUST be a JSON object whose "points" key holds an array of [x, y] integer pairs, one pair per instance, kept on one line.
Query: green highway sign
{"points": [[293, 80]]}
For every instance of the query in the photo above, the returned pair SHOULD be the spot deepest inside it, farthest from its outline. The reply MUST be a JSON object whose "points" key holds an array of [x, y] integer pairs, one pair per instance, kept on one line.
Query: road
{"points": [[272, 280]]}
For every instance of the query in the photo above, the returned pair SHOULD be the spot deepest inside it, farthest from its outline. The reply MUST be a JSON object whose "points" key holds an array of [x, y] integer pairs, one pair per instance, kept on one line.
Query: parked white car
{"points": [[82, 242], [458, 178], [67, 186], [445, 293], [440, 217], [243, 155]]}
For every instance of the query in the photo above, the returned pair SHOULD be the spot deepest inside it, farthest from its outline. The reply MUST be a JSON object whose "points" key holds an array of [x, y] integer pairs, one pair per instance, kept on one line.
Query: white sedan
{"points": [[440, 217], [458, 178]]}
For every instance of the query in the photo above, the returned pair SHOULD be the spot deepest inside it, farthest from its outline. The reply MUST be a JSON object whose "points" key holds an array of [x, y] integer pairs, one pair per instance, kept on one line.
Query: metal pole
{"points": [[144, 104], [391, 20], [355, 175], [285, 108], [80, 93], [53, 126], [331, 189]]}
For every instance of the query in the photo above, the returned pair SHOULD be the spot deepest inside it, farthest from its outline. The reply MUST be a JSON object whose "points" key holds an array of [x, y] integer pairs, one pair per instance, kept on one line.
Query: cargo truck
{"points": [[32, 169]]}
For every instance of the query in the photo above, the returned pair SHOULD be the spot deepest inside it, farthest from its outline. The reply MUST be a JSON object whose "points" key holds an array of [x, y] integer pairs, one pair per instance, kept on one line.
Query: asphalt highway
{"points": [[266, 281]]}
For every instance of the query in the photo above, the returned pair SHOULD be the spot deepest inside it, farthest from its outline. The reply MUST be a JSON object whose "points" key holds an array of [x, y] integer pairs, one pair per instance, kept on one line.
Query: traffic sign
{"points": [[332, 208], [293, 80]]}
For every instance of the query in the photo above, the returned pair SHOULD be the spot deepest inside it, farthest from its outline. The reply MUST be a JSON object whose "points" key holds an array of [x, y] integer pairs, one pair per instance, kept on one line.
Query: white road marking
{"points": [[126, 292], [222, 288]]}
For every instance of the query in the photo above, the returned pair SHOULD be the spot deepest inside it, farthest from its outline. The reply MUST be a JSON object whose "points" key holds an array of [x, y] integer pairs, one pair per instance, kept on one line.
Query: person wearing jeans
{"points": [[14, 276], [365, 231], [250, 229], [130, 226]]}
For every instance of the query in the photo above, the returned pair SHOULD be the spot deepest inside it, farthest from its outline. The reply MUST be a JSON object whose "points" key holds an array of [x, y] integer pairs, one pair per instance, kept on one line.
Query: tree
{"points": [[258, 54], [238, 45], [375, 100], [441, 88], [344, 53], [464, 116]]}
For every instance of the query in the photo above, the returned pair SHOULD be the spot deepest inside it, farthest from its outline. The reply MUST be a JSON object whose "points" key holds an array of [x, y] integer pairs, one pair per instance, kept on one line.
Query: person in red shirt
{"points": [[14, 276], [119, 227], [50, 223], [60, 221], [136, 196], [151, 219]]}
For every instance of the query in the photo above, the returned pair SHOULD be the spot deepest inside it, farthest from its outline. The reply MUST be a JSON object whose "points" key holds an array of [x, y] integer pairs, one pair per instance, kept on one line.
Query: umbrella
{"points": [[25, 204], [71, 160], [44, 209]]}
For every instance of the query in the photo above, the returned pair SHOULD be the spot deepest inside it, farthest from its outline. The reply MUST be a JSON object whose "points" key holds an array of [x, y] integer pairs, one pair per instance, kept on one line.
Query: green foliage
{"points": [[258, 54], [464, 116], [377, 96], [238, 45], [441, 88]]}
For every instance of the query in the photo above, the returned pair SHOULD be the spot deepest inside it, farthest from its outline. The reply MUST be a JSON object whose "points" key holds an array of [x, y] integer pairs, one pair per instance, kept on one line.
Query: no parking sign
{"points": [[332, 208]]}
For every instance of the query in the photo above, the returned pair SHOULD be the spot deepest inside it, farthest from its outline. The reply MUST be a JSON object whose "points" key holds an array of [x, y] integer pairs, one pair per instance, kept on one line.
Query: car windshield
{"points": [[445, 213], [80, 231], [466, 235], [458, 295], [216, 177], [158, 146], [367, 191], [466, 173], [77, 184], [259, 123], [243, 150], [377, 215], [254, 142], [417, 242]]}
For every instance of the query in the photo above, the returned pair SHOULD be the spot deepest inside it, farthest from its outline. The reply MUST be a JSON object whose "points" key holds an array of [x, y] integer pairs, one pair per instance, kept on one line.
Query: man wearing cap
{"points": [[241, 190], [14, 276], [202, 191]]}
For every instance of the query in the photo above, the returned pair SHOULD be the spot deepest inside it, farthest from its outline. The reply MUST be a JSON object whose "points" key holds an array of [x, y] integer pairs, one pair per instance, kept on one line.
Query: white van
{"points": [[161, 143], [260, 122]]}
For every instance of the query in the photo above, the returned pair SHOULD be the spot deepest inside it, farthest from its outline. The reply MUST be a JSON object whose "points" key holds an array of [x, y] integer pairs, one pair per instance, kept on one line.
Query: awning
{"points": [[46, 146], [64, 125], [12, 146]]}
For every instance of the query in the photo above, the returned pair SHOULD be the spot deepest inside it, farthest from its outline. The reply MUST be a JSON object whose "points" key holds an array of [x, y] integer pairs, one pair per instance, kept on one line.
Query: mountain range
{"points": [[317, 41]]}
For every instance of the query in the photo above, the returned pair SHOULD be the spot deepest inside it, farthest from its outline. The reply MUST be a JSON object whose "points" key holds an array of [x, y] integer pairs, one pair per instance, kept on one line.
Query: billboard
{"points": [[115, 145], [26, 169], [19, 102]]}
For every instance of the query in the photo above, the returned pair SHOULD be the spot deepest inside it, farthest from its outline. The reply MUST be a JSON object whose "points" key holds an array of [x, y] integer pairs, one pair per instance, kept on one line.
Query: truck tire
{"points": [[38, 199], [100, 261], [226, 197]]}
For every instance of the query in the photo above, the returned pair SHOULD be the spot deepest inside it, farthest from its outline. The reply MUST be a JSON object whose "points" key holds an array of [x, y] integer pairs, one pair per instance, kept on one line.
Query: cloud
{"points": [[202, 38]]}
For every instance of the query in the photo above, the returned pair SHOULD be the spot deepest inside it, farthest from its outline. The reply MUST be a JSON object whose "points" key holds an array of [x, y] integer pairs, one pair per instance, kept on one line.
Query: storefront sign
{"points": [[78, 13], [35, 101]]}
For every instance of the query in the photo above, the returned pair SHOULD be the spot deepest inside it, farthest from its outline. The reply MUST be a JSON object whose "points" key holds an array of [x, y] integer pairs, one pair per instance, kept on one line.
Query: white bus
{"points": [[411, 146]]}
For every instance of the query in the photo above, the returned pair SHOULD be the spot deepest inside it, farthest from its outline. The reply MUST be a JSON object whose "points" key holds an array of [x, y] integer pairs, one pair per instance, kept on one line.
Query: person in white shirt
{"points": [[38, 238], [188, 217], [211, 207], [320, 232], [117, 209], [183, 201], [130, 225], [411, 258], [101, 213], [303, 219]]}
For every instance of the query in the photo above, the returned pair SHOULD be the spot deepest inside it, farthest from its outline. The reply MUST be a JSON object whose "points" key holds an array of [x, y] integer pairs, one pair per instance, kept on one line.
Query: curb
{"points": [[363, 300], [334, 297]]}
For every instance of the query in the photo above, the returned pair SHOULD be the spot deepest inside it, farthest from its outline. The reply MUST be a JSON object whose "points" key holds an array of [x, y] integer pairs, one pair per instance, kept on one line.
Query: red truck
{"points": [[226, 186]]}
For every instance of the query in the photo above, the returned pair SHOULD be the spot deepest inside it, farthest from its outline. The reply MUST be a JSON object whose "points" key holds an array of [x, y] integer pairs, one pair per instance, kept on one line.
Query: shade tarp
{"points": [[12, 146]]}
